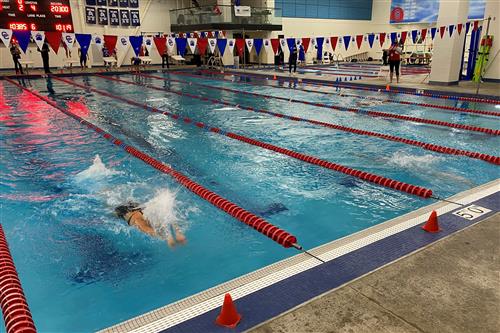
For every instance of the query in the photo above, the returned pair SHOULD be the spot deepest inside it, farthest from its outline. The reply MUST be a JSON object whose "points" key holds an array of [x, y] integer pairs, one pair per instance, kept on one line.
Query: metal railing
{"points": [[224, 14]]}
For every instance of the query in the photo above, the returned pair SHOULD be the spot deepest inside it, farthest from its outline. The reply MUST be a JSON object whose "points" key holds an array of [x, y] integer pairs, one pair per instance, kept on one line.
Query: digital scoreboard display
{"points": [[41, 15]]}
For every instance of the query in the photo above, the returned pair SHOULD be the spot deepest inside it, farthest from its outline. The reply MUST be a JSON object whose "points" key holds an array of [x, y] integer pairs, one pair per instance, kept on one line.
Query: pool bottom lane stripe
{"points": [[343, 94], [370, 177], [278, 235], [274, 289], [427, 146]]}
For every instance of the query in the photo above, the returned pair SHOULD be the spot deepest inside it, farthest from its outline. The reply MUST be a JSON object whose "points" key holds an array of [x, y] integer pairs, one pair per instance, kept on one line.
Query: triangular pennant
{"points": [[433, 32], [328, 44], [110, 42], [291, 43], [54, 39], [84, 42], [441, 31], [414, 35], [6, 36], [202, 44], [231, 42], [69, 40], [459, 28], [257, 43], [347, 40], [334, 41], [221, 45], [39, 38], [476, 25], [394, 37], [212, 43], [97, 40], [181, 46], [148, 42], [240, 46], [451, 27], [403, 36], [249, 42], [23, 38], [319, 45], [359, 40], [171, 44], [382, 38], [275, 43], [305, 43], [123, 43], [283, 45], [371, 39], [467, 27], [423, 34], [161, 44], [267, 46], [192, 42]]}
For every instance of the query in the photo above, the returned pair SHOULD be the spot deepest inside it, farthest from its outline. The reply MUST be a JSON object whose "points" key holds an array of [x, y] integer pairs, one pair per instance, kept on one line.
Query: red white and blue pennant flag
{"points": [[6, 36], [39, 38]]}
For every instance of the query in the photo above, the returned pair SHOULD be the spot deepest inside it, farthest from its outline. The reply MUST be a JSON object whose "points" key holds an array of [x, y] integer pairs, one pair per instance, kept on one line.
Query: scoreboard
{"points": [[41, 15]]}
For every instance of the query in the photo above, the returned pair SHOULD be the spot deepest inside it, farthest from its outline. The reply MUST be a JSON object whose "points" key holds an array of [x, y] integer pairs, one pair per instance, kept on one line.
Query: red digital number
{"points": [[18, 26], [20, 5], [59, 9], [33, 27], [33, 8]]}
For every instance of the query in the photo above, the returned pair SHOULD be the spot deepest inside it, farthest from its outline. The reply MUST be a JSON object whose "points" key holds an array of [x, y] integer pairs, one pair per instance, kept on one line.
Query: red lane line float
{"points": [[16, 313], [278, 235], [367, 112], [387, 182], [427, 105], [350, 86], [427, 146]]}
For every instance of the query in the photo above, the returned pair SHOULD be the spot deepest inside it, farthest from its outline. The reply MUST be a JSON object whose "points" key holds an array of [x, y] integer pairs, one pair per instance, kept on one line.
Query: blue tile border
{"points": [[286, 294]]}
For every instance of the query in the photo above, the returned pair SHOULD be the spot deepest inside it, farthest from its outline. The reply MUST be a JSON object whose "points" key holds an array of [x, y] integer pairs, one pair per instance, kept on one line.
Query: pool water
{"points": [[84, 269]]}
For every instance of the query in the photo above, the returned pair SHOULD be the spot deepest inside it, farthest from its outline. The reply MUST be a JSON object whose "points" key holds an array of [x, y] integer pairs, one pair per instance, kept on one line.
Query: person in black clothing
{"points": [[45, 57], [16, 55], [292, 60], [164, 59], [385, 56]]}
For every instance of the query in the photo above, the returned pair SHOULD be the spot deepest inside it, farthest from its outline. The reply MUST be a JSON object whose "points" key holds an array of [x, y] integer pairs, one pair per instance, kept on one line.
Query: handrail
{"points": [[16, 313]]}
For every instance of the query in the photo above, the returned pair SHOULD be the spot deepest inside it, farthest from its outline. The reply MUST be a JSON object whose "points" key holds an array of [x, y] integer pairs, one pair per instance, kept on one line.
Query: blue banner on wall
{"points": [[114, 17], [90, 15], [102, 16], [135, 20], [124, 17], [413, 11]]}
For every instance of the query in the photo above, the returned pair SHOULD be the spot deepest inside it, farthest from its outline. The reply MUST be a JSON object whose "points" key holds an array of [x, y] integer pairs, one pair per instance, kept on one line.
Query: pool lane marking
{"points": [[366, 176], [381, 89], [278, 235], [423, 145], [453, 109]]}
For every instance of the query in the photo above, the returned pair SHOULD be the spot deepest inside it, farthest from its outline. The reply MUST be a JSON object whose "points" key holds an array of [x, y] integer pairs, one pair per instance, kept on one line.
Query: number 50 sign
{"points": [[471, 212]]}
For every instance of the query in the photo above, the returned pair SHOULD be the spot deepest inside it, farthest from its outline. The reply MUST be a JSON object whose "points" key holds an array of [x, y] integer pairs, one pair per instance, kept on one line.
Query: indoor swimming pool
{"points": [[84, 269]]}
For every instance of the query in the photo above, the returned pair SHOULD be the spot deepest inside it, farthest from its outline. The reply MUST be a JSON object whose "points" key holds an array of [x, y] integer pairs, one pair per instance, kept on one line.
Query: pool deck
{"points": [[449, 286]]}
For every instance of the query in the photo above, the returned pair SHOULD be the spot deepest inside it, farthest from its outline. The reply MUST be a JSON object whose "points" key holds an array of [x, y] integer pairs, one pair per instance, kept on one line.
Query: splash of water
{"points": [[161, 211], [96, 171], [413, 161]]}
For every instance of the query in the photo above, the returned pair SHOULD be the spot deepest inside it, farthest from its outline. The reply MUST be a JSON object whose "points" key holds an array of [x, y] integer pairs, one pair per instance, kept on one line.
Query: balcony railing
{"points": [[223, 17]]}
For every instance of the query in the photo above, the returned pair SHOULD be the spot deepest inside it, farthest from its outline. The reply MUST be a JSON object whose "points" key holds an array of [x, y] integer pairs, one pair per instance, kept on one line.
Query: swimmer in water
{"points": [[368, 102], [132, 213]]}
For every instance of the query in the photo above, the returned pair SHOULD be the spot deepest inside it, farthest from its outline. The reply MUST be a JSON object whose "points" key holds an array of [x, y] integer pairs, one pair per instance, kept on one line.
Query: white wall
{"points": [[154, 18]]}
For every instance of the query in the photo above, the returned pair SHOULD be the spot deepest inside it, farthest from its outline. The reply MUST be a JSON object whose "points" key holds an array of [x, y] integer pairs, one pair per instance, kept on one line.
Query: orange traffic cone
{"points": [[228, 316], [388, 87], [432, 223], [274, 77]]}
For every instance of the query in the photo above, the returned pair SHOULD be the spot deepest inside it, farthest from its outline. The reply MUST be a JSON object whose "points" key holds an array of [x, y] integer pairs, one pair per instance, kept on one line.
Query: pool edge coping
{"points": [[195, 305]]}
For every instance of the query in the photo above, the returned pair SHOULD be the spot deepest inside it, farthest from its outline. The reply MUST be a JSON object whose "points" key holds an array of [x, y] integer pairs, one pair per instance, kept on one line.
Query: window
{"points": [[326, 9]]}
